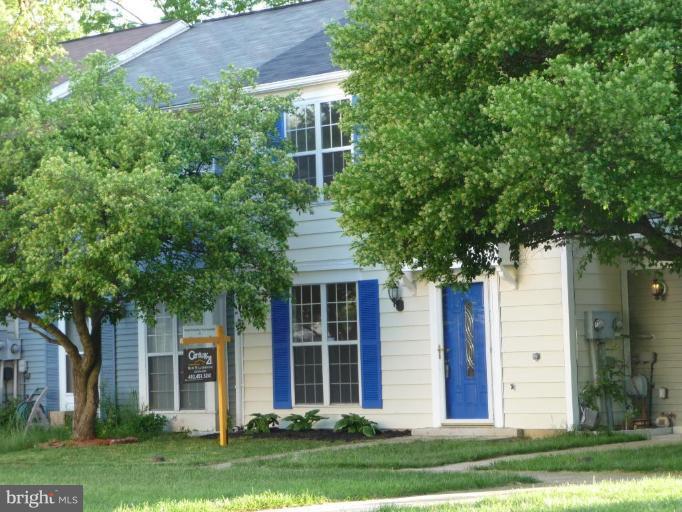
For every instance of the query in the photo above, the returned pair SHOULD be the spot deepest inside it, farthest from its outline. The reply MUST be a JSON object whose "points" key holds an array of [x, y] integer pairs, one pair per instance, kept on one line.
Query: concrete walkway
{"points": [[546, 480], [487, 463], [305, 451]]}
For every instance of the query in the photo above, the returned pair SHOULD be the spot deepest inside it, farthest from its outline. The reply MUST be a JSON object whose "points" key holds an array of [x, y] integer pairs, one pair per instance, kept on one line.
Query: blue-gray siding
{"points": [[107, 380], [126, 363], [34, 350]]}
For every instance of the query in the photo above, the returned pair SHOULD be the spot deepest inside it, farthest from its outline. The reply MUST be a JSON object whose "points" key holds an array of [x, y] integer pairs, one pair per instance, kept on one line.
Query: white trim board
{"points": [[569, 335], [62, 90], [493, 361], [290, 85]]}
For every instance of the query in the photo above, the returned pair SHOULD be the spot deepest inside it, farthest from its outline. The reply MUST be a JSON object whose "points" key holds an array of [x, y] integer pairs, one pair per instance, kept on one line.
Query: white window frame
{"points": [[325, 344], [209, 391], [66, 398], [318, 152]]}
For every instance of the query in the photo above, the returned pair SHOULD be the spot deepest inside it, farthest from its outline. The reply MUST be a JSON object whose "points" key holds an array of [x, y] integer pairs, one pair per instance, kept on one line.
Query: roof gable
{"points": [[111, 43], [281, 43]]}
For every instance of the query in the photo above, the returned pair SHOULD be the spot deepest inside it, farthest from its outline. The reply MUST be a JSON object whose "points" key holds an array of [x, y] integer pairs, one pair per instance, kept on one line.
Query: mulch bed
{"points": [[90, 442], [316, 435]]}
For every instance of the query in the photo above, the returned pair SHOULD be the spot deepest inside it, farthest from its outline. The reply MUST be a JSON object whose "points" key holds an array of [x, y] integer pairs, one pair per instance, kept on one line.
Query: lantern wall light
{"points": [[396, 299], [658, 289]]}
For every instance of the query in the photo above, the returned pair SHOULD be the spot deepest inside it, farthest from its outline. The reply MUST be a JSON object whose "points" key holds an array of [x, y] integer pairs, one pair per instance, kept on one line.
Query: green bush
{"points": [[356, 424], [128, 420], [261, 423], [8, 414], [301, 423], [13, 439]]}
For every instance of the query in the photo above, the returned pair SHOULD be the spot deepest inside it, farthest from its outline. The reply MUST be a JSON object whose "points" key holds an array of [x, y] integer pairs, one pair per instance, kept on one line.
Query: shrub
{"points": [[128, 420], [261, 423], [13, 439], [356, 424], [8, 414], [301, 423]]}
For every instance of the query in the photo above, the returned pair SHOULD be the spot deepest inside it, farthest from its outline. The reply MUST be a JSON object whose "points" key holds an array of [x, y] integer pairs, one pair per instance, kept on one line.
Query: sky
{"points": [[144, 9]]}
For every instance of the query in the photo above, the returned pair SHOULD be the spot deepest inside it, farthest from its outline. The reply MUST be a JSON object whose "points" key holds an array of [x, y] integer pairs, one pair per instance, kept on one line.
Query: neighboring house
{"points": [[511, 352], [37, 364]]}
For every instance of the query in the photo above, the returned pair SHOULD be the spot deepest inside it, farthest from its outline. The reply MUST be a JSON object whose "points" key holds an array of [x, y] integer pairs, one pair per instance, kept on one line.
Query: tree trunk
{"points": [[86, 401], [86, 379]]}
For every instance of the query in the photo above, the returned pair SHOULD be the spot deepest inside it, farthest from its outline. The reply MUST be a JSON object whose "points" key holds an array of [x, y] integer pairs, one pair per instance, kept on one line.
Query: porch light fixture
{"points": [[396, 299], [658, 289]]}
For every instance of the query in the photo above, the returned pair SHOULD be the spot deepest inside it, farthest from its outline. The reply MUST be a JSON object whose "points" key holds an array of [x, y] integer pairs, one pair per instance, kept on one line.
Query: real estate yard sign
{"points": [[199, 365]]}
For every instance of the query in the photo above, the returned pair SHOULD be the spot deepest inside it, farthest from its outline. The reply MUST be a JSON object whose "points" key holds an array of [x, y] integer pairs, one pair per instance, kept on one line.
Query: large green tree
{"points": [[117, 201], [509, 121]]}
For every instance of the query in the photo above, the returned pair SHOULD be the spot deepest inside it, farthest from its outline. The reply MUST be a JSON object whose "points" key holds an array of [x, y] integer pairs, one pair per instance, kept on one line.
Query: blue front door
{"points": [[466, 374]]}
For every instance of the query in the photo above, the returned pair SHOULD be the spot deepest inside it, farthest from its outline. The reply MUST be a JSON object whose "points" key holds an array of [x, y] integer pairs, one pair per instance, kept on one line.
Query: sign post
{"points": [[219, 340]]}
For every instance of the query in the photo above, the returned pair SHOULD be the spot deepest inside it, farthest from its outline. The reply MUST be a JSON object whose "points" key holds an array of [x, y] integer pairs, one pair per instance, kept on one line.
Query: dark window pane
{"points": [[308, 375], [307, 318], [161, 383], [69, 375], [343, 374], [333, 164], [191, 393]]}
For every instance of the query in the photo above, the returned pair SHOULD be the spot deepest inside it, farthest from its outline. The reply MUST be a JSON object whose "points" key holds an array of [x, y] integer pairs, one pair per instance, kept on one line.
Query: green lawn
{"points": [[663, 458], [438, 452], [127, 476], [662, 494]]}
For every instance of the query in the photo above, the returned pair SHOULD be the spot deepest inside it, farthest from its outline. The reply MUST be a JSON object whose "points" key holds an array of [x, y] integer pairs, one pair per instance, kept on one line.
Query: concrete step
{"points": [[466, 431]]}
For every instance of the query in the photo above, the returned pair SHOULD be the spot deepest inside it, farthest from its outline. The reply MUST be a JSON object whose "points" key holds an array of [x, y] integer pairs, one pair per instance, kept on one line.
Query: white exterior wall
{"points": [[597, 287], [531, 315], [522, 319], [405, 336]]}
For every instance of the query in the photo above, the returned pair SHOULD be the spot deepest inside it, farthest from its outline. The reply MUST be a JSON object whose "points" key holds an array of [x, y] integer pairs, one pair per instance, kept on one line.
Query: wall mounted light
{"points": [[658, 289], [396, 299]]}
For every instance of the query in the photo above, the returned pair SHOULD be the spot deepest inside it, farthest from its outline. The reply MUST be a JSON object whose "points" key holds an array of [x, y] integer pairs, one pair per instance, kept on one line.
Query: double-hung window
{"points": [[321, 149], [167, 389], [325, 344]]}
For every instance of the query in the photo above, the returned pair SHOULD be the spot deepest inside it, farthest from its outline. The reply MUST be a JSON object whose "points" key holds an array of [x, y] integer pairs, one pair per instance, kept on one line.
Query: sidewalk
{"points": [[486, 463], [546, 480]]}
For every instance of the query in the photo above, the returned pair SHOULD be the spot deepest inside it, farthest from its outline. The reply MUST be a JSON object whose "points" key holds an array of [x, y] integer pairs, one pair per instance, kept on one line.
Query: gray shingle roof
{"points": [[281, 44]]}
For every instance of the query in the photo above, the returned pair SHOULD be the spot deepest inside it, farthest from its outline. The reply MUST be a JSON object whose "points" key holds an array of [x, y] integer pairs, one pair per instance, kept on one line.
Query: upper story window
{"points": [[321, 148]]}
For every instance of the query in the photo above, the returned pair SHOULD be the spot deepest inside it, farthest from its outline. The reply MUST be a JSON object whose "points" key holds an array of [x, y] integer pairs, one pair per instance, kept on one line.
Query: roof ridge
{"points": [[144, 25], [261, 11]]}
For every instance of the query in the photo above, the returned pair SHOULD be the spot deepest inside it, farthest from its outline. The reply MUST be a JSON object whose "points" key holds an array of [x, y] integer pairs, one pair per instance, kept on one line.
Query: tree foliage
{"points": [[528, 123], [110, 15], [115, 202], [193, 10]]}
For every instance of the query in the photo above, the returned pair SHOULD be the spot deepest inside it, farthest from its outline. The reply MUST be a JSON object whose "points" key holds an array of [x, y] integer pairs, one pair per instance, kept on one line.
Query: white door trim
{"points": [[493, 363], [495, 334]]}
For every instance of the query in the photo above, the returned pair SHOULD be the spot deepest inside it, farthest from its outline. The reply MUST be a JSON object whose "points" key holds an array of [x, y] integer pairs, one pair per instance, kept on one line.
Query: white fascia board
{"points": [[284, 85], [298, 82], [62, 90]]}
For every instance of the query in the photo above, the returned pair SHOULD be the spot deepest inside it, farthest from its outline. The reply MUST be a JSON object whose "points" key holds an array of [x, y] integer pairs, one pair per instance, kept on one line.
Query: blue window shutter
{"points": [[370, 344], [281, 359], [281, 128], [354, 134]]}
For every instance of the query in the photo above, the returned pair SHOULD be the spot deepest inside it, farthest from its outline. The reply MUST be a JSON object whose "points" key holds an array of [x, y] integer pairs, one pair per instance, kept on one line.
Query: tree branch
{"points": [[58, 336]]}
